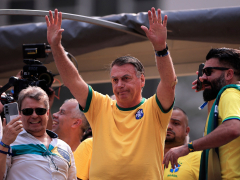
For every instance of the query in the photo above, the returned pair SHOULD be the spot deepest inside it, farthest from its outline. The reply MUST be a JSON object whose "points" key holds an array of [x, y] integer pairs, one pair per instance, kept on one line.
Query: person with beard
{"points": [[177, 135], [221, 143]]}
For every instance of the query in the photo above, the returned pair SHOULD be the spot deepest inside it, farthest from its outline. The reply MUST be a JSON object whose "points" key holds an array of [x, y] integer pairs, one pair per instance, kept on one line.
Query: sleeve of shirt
{"points": [[94, 105], [164, 116], [82, 157], [229, 106], [72, 170]]}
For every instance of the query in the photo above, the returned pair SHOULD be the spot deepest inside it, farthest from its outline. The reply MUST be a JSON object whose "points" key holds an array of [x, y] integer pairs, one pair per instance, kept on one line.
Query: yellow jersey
{"points": [[128, 143], [229, 108], [83, 156], [188, 168]]}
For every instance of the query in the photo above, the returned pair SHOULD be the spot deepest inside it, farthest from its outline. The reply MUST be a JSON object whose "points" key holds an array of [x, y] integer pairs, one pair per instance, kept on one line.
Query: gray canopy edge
{"points": [[208, 25]]}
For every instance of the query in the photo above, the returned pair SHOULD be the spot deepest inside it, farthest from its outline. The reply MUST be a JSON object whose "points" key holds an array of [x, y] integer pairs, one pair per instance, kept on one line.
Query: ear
{"points": [[48, 112], [187, 130], [142, 80], [76, 123], [229, 74]]}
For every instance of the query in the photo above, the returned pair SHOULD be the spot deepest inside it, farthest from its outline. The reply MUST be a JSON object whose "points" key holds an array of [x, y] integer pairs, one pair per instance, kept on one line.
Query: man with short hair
{"points": [[69, 123], [27, 149], [177, 134], [221, 156], [121, 127]]}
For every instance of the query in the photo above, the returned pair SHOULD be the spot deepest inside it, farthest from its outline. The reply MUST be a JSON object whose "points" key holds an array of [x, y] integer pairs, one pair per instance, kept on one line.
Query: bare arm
{"points": [[67, 70], [51, 101], [10, 132], [223, 134], [157, 34]]}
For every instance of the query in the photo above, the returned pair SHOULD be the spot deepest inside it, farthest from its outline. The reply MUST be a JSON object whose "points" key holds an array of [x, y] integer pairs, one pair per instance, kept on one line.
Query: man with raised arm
{"points": [[129, 133], [221, 143]]}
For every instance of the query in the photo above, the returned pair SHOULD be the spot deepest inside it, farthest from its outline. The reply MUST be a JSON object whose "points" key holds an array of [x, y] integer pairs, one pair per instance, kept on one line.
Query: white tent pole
{"points": [[75, 17]]}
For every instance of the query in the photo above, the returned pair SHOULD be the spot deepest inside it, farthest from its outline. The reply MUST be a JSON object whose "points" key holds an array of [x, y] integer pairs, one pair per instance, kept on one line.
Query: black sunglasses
{"points": [[208, 70], [38, 111]]}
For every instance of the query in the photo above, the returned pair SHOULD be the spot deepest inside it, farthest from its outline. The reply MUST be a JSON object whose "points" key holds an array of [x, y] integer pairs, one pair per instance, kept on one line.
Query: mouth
{"points": [[207, 84], [35, 122], [55, 122], [170, 133]]}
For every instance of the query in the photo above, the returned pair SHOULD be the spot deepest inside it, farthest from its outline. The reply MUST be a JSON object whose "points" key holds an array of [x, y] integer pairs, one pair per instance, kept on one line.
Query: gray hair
{"points": [[33, 92], [76, 113], [139, 68]]}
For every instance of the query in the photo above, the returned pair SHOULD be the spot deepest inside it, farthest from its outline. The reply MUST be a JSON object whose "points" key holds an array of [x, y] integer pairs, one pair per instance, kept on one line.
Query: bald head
{"points": [[183, 114], [178, 129]]}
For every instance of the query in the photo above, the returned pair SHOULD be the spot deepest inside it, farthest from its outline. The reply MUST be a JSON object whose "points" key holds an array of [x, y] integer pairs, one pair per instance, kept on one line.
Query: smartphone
{"points": [[11, 111], [199, 83]]}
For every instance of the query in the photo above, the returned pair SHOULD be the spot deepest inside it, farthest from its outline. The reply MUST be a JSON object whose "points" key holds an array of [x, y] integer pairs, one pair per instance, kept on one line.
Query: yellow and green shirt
{"points": [[128, 143], [83, 156], [229, 154], [188, 168]]}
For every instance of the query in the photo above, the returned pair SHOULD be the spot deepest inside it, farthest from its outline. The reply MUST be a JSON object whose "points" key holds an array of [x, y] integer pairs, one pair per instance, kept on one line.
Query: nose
{"points": [[34, 114], [204, 76], [120, 83], [169, 126], [55, 115]]}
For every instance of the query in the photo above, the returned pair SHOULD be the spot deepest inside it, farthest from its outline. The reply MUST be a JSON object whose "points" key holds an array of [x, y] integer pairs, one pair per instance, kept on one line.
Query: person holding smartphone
{"points": [[221, 143], [27, 149]]}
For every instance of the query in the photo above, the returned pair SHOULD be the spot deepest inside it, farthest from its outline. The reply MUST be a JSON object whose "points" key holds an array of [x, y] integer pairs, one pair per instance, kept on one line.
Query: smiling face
{"points": [[63, 119], [215, 81], [177, 129], [127, 87], [34, 124]]}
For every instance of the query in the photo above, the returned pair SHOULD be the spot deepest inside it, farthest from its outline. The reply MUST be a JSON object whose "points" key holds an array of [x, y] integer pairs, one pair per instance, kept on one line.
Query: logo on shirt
{"points": [[139, 114], [176, 169]]}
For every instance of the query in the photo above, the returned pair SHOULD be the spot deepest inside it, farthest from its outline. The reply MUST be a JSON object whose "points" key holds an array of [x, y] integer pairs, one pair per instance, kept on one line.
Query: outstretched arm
{"points": [[157, 34], [223, 134], [67, 70]]}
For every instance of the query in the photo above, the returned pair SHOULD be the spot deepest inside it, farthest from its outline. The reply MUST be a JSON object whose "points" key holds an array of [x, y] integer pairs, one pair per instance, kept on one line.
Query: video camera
{"points": [[33, 74]]}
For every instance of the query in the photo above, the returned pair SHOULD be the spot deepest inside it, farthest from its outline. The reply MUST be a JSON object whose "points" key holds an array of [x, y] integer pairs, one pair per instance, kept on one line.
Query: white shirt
{"points": [[32, 161]]}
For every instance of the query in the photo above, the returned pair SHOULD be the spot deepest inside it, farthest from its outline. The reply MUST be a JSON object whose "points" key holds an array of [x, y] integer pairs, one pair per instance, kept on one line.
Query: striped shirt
{"points": [[31, 160]]}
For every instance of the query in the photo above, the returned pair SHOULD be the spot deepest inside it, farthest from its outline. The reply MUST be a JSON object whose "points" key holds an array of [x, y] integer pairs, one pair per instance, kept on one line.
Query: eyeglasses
{"points": [[38, 111], [208, 70]]}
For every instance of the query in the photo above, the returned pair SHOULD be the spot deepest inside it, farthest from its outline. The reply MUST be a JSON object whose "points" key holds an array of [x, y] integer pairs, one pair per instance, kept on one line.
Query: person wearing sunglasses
{"points": [[27, 149], [221, 144]]}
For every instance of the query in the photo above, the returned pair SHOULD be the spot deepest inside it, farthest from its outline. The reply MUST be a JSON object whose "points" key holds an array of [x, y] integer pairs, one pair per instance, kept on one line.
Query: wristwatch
{"points": [[162, 53]]}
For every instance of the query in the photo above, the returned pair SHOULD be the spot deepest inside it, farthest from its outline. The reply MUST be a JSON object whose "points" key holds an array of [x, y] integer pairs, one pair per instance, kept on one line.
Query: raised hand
{"points": [[194, 83], [54, 31], [11, 130], [157, 32]]}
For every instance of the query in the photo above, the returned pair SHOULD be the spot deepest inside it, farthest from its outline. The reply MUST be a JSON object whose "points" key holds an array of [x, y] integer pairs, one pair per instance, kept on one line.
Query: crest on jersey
{"points": [[139, 114], [176, 169]]}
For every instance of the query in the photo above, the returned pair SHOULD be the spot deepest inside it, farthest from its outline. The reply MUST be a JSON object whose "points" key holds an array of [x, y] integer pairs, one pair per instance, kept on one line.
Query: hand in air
{"points": [[54, 31], [157, 32], [11, 130]]}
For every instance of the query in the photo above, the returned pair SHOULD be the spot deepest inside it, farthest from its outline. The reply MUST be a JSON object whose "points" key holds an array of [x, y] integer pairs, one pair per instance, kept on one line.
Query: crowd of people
{"points": [[132, 137]]}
